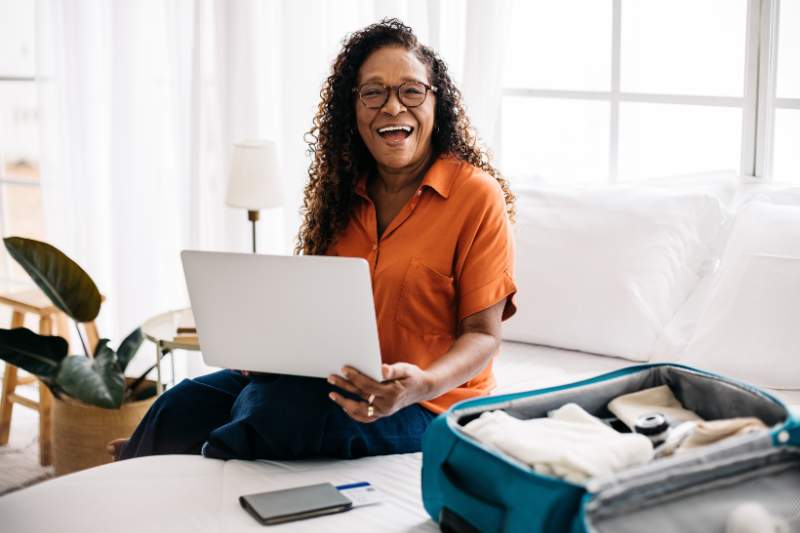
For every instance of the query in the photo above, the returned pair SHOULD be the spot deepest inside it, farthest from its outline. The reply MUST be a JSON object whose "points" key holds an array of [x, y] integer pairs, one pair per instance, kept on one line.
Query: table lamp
{"points": [[254, 181]]}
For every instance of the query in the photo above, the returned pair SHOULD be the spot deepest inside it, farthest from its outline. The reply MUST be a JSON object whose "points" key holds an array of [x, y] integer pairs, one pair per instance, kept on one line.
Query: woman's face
{"points": [[396, 150]]}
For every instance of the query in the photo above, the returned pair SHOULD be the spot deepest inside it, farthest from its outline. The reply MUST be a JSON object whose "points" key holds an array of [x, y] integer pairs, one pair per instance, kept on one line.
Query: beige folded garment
{"points": [[629, 407], [570, 443], [706, 433]]}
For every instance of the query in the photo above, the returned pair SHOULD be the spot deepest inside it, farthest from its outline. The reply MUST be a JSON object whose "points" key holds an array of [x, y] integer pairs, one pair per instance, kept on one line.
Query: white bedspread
{"points": [[176, 493], [193, 494]]}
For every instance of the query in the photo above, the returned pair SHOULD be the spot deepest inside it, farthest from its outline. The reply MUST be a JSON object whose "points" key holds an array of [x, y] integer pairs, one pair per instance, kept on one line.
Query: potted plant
{"points": [[93, 400]]}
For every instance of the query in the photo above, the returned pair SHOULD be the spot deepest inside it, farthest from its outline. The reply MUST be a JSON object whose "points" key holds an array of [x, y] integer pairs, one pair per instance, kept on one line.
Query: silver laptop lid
{"points": [[301, 315]]}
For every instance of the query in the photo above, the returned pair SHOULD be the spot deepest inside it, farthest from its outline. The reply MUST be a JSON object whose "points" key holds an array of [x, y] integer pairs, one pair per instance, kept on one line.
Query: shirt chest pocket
{"points": [[427, 304]]}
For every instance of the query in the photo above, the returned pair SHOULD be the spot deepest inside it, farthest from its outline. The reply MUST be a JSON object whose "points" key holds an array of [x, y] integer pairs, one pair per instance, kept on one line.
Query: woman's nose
{"points": [[393, 105]]}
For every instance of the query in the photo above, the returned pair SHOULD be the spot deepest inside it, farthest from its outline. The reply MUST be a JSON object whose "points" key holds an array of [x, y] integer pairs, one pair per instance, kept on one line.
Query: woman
{"points": [[397, 179]]}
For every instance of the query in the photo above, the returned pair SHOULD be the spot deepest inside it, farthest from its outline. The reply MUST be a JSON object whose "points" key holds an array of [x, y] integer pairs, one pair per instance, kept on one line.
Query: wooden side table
{"points": [[35, 302], [161, 330]]}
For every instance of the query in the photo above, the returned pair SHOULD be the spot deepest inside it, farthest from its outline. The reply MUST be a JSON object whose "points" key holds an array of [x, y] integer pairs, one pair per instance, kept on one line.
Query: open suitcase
{"points": [[468, 487]]}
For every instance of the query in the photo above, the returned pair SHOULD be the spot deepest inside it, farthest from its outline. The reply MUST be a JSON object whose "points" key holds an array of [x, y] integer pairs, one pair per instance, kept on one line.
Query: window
{"points": [[20, 191], [786, 139], [613, 90]]}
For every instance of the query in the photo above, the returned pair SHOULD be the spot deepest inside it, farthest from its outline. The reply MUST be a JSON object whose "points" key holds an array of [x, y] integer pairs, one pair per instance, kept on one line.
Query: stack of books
{"points": [[185, 330]]}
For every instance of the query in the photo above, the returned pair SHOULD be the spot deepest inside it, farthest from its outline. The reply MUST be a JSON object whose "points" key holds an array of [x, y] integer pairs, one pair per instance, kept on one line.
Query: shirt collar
{"points": [[442, 174], [439, 177]]}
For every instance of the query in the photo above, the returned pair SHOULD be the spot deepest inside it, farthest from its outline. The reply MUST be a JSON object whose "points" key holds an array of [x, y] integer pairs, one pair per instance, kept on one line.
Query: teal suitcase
{"points": [[467, 487]]}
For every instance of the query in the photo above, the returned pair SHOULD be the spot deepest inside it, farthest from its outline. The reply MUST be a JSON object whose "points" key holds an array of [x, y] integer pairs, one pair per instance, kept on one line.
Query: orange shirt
{"points": [[448, 254]]}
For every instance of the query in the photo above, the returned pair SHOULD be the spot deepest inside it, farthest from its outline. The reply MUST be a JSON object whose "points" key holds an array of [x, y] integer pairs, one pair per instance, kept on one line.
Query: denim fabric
{"points": [[230, 416]]}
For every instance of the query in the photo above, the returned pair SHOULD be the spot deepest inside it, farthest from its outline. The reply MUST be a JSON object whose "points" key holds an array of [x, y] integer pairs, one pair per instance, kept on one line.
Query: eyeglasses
{"points": [[410, 93]]}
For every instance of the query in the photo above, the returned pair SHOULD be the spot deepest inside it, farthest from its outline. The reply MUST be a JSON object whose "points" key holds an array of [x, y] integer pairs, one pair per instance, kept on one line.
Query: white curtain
{"points": [[142, 99]]}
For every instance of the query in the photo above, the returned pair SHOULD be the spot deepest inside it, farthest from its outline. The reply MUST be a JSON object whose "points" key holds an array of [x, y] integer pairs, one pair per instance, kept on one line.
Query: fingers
{"points": [[385, 395], [356, 410], [396, 371], [338, 381], [365, 384]]}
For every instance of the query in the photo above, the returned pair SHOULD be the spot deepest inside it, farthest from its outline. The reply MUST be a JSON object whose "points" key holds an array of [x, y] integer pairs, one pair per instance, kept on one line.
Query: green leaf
{"points": [[102, 344], [67, 285], [38, 354], [128, 348], [95, 381]]}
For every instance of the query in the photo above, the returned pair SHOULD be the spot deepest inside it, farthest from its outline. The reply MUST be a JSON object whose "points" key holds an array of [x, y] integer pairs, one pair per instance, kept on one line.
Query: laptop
{"points": [[300, 315]]}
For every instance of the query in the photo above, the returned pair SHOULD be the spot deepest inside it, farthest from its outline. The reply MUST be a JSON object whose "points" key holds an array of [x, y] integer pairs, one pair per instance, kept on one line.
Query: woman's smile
{"points": [[395, 135]]}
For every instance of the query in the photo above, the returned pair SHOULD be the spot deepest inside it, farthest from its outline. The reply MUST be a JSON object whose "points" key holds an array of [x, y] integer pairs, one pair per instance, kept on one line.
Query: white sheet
{"points": [[522, 367], [181, 493], [193, 494]]}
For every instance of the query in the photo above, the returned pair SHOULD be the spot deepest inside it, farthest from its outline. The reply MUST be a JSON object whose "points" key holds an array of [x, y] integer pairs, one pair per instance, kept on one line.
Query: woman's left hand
{"points": [[405, 385]]}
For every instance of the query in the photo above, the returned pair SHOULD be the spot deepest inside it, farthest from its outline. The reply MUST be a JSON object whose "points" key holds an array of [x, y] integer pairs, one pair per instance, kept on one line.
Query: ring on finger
{"points": [[370, 411], [371, 399]]}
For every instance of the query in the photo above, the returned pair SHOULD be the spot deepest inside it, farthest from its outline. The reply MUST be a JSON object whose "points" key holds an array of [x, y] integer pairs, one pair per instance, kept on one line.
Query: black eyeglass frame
{"points": [[396, 89]]}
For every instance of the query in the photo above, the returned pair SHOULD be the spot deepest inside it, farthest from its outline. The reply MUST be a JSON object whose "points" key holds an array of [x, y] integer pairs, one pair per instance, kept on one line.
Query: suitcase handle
{"points": [[477, 512], [451, 522]]}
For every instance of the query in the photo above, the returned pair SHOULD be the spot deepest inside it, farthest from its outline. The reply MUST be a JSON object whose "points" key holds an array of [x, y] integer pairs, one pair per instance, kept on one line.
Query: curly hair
{"points": [[339, 154]]}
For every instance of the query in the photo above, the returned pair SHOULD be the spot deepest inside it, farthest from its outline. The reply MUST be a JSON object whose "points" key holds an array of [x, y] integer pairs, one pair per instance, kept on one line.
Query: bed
{"points": [[189, 493], [642, 300]]}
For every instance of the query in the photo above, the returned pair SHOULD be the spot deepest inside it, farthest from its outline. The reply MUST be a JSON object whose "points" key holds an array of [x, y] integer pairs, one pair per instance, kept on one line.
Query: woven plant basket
{"points": [[81, 432]]}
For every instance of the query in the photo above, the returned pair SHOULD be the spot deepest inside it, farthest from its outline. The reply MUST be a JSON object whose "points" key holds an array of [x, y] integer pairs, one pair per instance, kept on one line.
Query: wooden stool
{"points": [[34, 301]]}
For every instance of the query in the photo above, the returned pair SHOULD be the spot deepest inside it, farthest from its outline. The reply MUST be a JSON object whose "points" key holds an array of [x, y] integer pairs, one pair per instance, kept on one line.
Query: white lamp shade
{"points": [[255, 181]]}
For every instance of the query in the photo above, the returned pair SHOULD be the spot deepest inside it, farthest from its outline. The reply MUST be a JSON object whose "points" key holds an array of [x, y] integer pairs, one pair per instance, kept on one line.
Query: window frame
{"points": [[758, 101], [7, 279]]}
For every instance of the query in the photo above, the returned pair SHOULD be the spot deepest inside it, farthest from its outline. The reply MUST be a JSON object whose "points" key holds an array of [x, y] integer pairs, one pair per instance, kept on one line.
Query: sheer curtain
{"points": [[142, 99]]}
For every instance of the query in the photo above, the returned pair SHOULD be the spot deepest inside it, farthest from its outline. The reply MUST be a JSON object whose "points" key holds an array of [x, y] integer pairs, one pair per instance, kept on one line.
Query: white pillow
{"points": [[724, 185], [603, 270], [771, 194], [678, 332], [721, 184], [749, 327]]}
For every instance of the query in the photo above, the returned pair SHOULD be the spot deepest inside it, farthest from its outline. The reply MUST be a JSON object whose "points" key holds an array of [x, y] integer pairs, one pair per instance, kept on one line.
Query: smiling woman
{"points": [[398, 179]]}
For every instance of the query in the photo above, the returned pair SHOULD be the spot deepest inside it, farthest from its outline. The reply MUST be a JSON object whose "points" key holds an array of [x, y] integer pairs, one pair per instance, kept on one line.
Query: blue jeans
{"points": [[230, 416]]}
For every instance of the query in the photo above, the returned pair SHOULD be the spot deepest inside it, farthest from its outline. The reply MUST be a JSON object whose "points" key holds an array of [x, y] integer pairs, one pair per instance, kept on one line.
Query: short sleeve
{"points": [[485, 262]]}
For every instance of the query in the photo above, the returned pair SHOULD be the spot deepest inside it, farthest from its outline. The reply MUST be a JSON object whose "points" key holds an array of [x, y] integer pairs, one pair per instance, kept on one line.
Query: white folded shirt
{"points": [[570, 443]]}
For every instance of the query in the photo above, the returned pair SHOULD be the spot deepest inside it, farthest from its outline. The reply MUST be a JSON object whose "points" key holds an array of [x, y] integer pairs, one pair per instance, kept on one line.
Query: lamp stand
{"points": [[252, 216]]}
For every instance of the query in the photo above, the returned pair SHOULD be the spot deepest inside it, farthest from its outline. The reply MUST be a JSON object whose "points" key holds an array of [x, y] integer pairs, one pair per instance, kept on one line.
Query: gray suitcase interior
{"points": [[695, 491]]}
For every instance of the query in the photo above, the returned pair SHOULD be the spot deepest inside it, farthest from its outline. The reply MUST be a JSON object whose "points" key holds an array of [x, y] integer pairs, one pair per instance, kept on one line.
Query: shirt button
{"points": [[419, 191]]}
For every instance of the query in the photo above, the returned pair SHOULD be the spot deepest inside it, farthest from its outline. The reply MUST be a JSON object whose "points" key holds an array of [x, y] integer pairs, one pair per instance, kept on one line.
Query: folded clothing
{"points": [[629, 407], [705, 433], [570, 443], [688, 430]]}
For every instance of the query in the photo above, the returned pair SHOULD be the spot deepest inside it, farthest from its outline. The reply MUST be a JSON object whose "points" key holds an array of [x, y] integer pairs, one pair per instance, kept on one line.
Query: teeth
{"points": [[406, 129]]}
